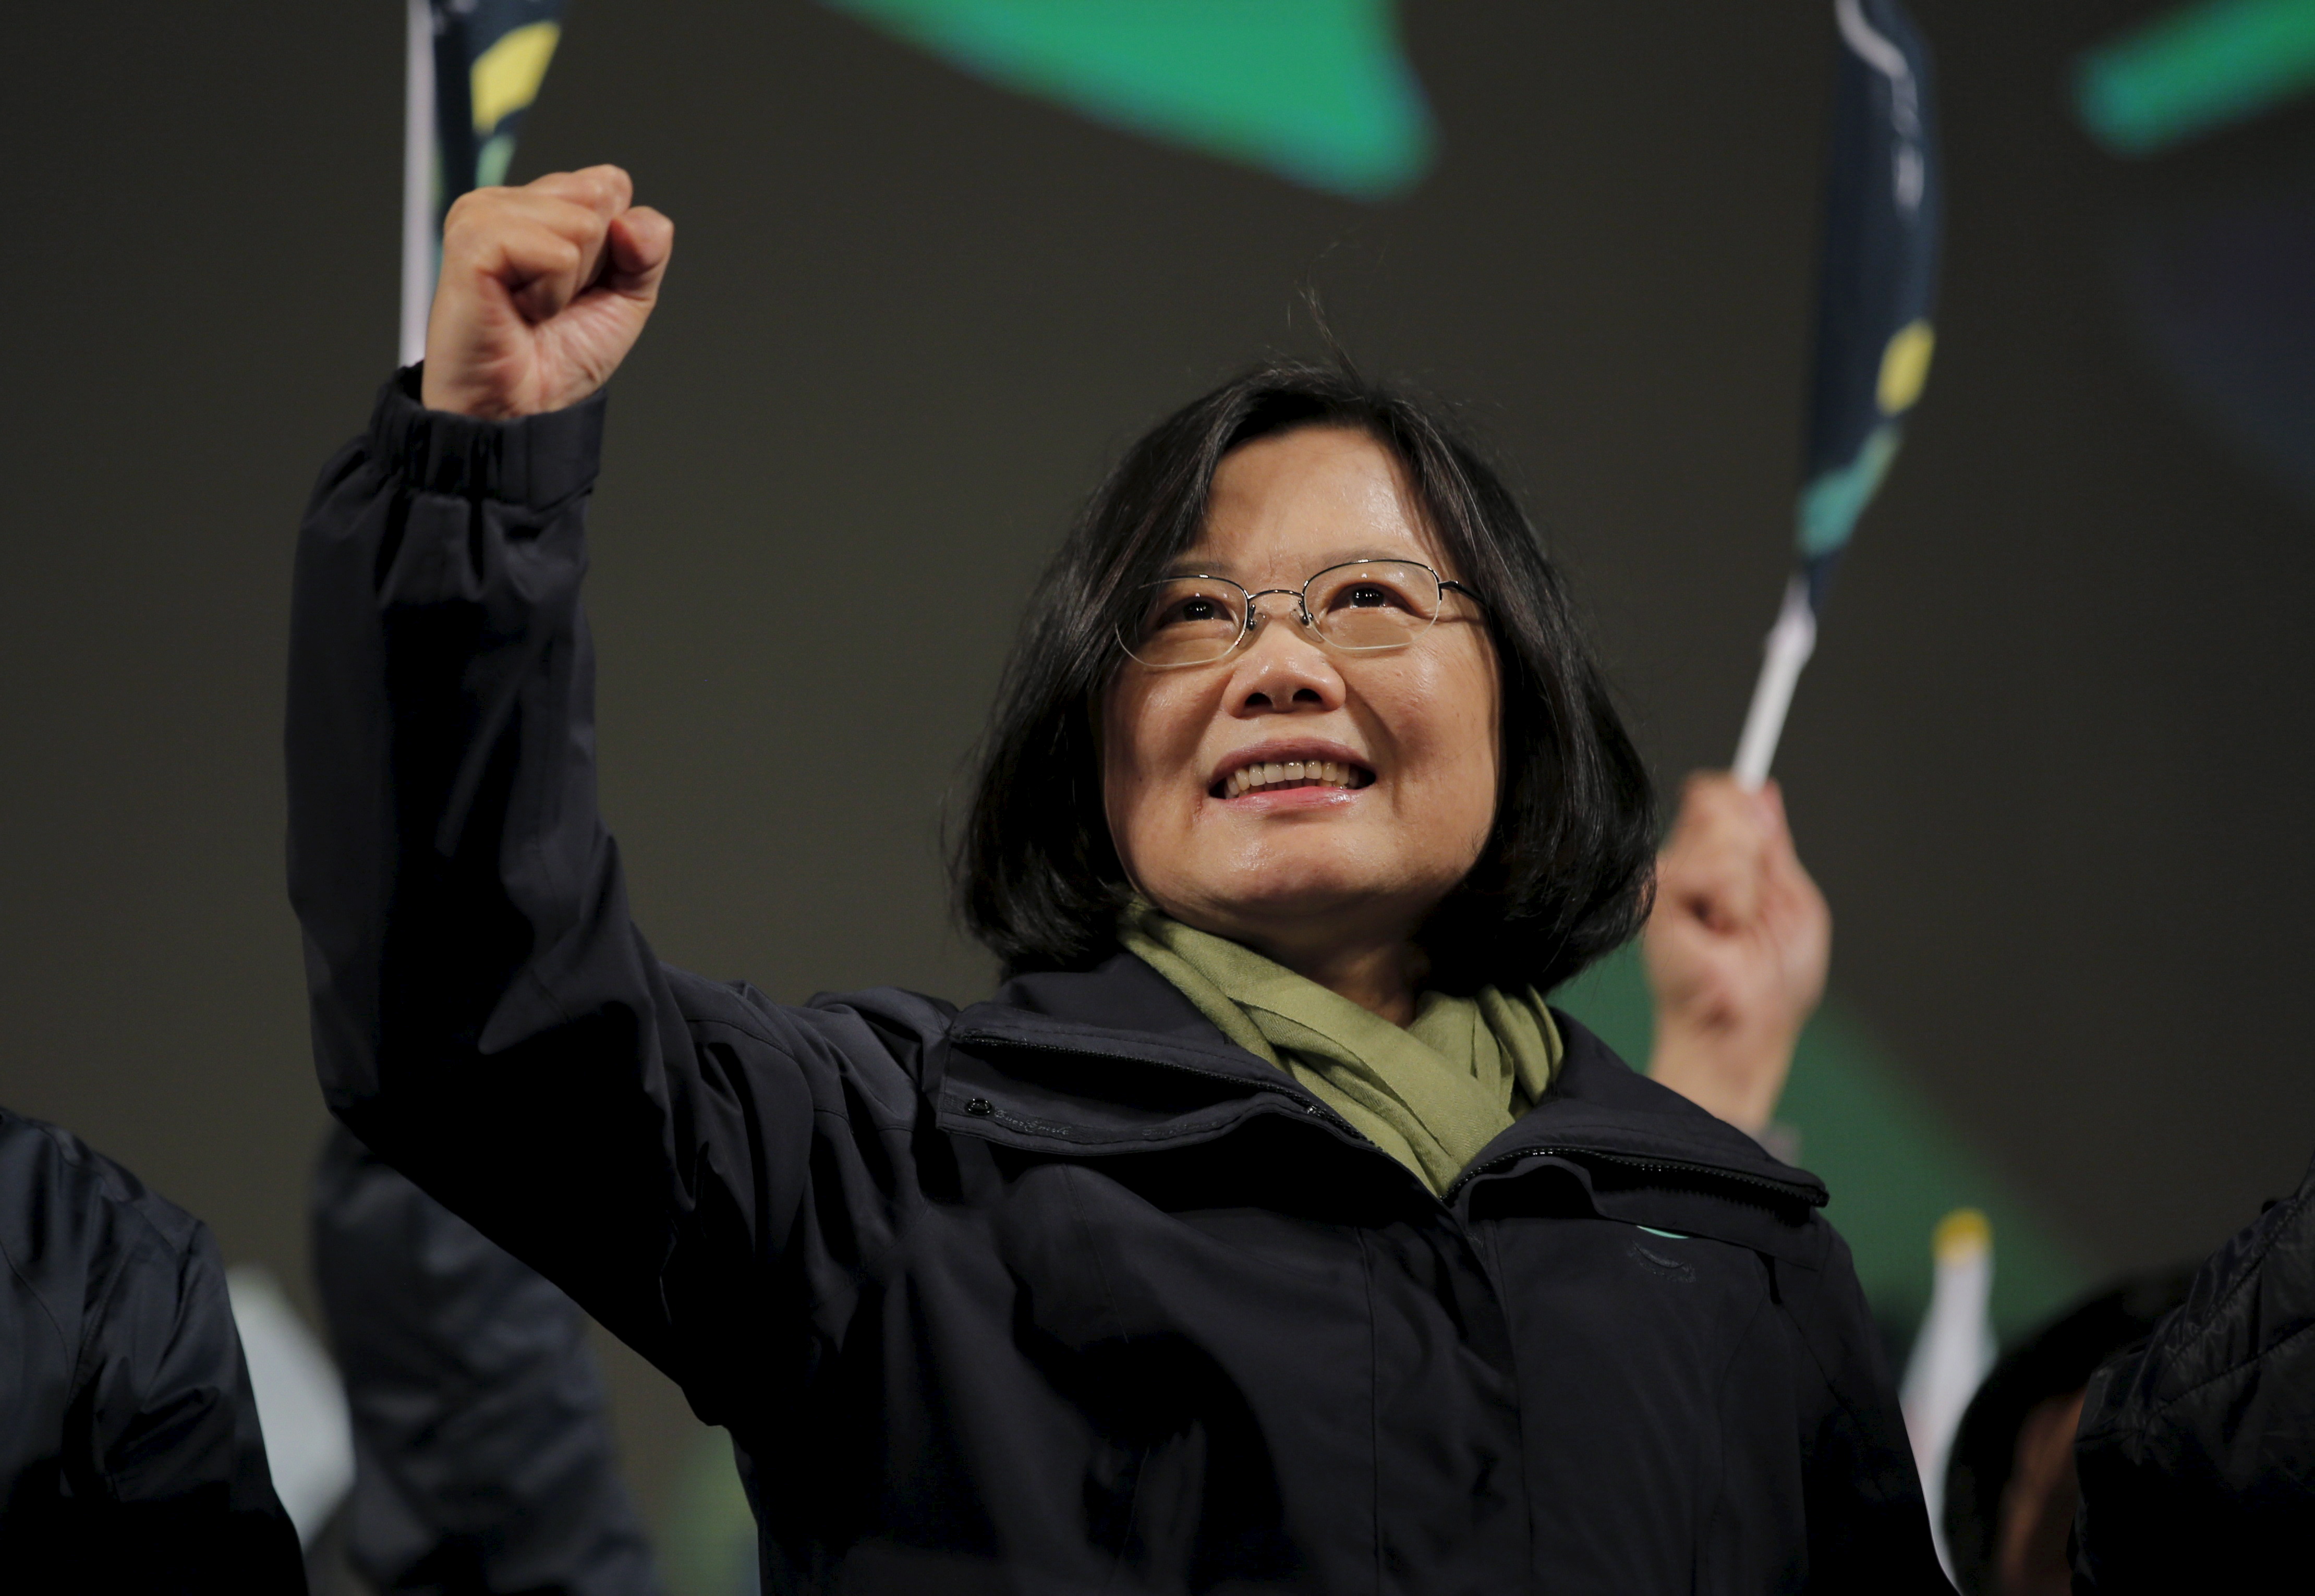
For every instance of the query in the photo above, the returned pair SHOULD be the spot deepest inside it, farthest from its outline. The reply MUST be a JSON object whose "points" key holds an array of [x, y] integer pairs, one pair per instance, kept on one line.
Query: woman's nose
{"points": [[1283, 669]]}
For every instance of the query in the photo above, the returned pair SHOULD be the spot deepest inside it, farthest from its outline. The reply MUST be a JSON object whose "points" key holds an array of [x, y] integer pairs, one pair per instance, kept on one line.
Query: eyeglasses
{"points": [[1365, 607]]}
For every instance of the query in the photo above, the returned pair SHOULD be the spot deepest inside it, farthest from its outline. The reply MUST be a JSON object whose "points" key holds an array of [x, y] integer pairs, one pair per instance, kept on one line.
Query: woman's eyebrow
{"points": [[1361, 555], [1367, 553], [1177, 569]]}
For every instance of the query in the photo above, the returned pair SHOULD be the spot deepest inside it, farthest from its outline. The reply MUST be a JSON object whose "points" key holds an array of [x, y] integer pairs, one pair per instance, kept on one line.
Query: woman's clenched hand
{"points": [[1736, 951], [544, 290]]}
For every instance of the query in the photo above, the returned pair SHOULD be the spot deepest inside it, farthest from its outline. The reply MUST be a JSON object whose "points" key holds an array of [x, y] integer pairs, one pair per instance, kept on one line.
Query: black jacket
{"points": [[482, 1453], [130, 1460], [1059, 1293], [2197, 1451]]}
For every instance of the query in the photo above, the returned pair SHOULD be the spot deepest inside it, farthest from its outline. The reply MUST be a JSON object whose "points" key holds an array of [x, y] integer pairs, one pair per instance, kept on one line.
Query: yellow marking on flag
{"points": [[1905, 366], [507, 75]]}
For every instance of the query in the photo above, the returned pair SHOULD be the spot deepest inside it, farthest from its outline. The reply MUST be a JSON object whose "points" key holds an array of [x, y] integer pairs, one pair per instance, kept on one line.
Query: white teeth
{"points": [[1249, 777]]}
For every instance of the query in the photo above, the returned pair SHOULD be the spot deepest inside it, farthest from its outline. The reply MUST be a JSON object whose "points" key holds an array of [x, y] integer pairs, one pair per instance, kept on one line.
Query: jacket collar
{"points": [[1110, 1060], [1115, 1059]]}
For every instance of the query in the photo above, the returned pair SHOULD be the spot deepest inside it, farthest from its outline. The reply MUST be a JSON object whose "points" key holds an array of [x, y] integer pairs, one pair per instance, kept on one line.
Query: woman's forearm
{"points": [[442, 806], [484, 1016]]}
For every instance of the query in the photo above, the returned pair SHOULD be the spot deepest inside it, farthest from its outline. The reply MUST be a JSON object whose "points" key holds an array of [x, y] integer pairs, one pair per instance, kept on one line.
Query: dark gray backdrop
{"points": [[2048, 766]]}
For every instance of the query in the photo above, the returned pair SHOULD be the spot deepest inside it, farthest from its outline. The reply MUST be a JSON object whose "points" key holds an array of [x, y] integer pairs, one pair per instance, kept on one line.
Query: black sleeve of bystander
{"points": [[484, 1454], [130, 1457], [2197, 1450]]}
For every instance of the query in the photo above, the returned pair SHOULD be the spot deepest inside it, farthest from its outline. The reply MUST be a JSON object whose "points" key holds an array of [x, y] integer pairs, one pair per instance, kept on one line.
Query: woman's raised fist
{"points": [[544, 290]]}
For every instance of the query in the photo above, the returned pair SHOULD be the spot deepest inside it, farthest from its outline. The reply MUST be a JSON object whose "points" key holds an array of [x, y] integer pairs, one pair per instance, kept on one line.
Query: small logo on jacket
{"points": [[1658, 1264]]}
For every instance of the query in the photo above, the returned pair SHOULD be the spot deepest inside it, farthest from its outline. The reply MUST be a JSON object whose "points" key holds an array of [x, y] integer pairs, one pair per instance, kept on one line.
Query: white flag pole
{"points": [[418, 163], [1790, 642]]}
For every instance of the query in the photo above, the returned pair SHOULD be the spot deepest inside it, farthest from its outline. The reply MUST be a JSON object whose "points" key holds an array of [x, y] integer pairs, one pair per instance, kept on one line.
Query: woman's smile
{"points": [[1316, 773]]}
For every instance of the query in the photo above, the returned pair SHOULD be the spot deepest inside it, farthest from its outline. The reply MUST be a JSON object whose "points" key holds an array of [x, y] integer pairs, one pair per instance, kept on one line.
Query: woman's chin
{"points": [[1273, 895]]}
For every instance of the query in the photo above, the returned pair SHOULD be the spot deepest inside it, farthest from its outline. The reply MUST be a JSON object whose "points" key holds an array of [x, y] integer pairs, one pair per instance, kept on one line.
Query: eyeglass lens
{"points": [[1375, 604]]}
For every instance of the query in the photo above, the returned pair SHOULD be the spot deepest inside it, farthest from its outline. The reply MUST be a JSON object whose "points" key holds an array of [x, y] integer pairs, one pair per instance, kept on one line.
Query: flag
{"points": [[1876, 275], [1877, 291], [475, 67]]}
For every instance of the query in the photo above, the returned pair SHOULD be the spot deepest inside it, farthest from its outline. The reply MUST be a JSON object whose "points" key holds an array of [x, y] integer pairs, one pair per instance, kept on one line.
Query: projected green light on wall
{"points": [[1314, 91], [2195, 70]]}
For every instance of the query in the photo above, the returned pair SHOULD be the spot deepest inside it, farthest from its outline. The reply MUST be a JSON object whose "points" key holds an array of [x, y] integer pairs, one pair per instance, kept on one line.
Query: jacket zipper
{"points": [[1317, 1110], [1285, 1088], [1785, 1189]]}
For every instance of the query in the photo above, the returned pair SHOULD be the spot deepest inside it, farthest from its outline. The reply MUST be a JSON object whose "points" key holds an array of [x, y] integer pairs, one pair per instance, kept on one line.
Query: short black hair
{"points": [[1566, 872], [2056, 1361]]}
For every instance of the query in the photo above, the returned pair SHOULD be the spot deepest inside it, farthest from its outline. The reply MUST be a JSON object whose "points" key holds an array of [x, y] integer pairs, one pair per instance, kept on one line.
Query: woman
{"points": [[1264, 1230]]}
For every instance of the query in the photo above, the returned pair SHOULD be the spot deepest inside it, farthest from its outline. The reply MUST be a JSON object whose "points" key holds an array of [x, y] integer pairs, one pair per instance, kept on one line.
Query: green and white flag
{"points": [[475, 66], [1876, 289]]}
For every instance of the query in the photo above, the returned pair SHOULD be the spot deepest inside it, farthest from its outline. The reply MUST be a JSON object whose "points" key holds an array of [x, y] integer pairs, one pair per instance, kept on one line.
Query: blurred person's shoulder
{"points": [[2196, 1450], [74, 1225], [99, 1277], [131, 1453]]}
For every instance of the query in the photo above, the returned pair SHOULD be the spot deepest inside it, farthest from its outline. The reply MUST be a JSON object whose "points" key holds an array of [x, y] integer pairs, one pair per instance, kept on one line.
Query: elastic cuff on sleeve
{"points": [[537, 461]]}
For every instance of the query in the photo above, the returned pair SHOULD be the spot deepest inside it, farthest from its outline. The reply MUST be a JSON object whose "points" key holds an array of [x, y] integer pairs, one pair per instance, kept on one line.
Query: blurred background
{"points": [[939, 259]]}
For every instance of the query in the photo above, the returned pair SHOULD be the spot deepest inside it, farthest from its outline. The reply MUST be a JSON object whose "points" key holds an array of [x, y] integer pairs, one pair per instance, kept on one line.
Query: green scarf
{"points": [[1430, 1096]]}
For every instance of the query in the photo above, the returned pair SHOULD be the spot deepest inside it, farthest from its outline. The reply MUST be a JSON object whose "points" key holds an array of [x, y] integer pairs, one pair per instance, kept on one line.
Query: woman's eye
{"points": [[1196, 609], [1369, 595]]}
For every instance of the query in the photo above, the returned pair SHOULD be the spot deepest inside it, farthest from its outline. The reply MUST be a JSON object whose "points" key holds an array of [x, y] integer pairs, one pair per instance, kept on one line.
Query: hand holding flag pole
{"points": [[1877, 287]]}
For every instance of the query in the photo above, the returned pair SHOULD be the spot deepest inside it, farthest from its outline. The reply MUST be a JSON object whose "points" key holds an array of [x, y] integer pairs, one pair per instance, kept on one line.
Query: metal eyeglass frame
{"points": [[1249, 625]]}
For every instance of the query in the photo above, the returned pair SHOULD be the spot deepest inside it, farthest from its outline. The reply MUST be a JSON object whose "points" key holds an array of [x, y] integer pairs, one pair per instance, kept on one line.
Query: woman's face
{"points": [[1413, 730]]}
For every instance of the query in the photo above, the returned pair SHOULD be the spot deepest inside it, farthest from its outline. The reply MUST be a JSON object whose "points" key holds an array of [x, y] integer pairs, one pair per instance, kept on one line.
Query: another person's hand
{"points": [[1736, 951], [544, 290]]}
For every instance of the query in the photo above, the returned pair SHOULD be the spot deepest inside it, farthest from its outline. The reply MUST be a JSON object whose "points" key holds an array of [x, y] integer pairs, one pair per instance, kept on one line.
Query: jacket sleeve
{"points": [[130, 1455], [171, 1488], [485, 1016], [1868, 1528], [172, 1442], [2197, 1451], [482, 1448]]}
